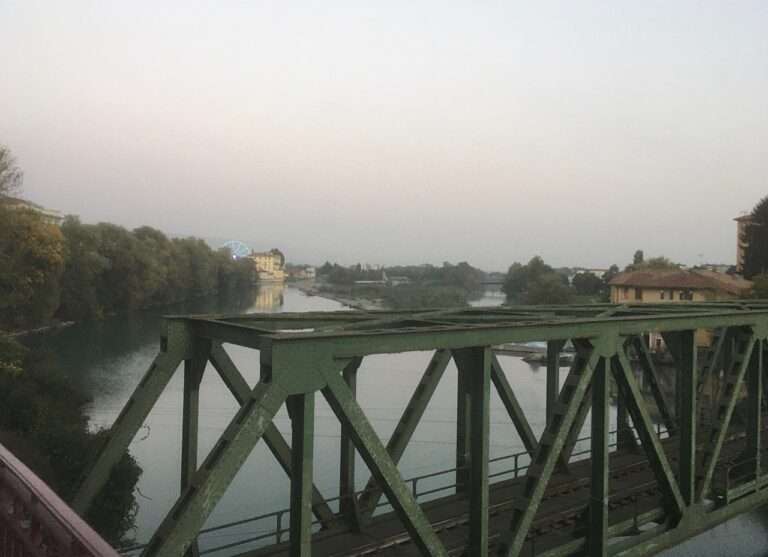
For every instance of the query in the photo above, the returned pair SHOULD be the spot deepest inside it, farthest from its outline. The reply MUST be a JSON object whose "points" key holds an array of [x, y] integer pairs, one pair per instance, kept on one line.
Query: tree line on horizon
{"points": [[537, 283], [43, 419]]}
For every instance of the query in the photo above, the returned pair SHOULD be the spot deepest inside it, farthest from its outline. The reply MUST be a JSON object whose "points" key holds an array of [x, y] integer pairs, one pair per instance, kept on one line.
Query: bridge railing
{"points": [[279, 530], [34, 521]]}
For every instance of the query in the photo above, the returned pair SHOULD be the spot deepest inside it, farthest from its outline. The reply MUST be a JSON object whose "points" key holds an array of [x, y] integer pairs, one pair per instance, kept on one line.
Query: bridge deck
{"points": [[559, 521]]}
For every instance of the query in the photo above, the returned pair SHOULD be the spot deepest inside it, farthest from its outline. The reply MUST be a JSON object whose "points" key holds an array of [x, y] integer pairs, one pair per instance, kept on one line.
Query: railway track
{"points": [[644, 494]]}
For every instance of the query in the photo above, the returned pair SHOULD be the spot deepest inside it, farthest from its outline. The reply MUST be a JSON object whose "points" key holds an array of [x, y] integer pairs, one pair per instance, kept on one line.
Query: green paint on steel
{"points": [[194, 367], [650, 376], [511, 404], [301, 409], [753, 450], [375, 455], [348, 504], [719, 429], [549, 447], [302, 354], [599, 488], [476, 364], [277, 445], [554, 348], [182, 523], [627, 383], [408, 422], [683, 348]]}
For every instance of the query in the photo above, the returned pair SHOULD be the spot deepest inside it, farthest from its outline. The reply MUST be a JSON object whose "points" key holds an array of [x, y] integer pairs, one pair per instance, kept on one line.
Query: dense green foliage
{"points": [[756, 241], [426, 286], [84, 271], [759, 287], [406, 296], [536, 283], [462, 275], [587, 284], [43, 423], [338, 274], [31, 264], [659, 263]]}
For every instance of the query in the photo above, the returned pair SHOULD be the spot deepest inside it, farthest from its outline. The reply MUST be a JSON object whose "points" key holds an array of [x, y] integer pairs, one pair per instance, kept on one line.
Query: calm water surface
{"points": [[107, 359]]}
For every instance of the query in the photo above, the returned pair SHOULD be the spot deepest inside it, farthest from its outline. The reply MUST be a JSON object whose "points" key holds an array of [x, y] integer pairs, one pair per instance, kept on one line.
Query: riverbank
{"points": [[362, 304], [389, 297]]}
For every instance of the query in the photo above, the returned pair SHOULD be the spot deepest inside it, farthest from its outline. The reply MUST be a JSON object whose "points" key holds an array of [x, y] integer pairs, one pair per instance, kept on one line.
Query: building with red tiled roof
{"points": [[675, 285], [655, 286]]}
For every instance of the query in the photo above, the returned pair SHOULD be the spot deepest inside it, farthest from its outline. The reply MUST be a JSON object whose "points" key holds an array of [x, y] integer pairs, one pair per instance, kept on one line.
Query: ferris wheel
{"points": [[237, 248]]}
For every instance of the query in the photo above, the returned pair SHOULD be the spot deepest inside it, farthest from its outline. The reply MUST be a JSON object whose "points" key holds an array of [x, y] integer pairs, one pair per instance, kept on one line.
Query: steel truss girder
{"points": [[368, 444], [407, 424], [719, 429], [549, 447], [274, 440], [296, 365]]}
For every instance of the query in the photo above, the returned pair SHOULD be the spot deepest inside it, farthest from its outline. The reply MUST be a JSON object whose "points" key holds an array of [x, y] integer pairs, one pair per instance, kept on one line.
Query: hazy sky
{"points": [[393, 131]]}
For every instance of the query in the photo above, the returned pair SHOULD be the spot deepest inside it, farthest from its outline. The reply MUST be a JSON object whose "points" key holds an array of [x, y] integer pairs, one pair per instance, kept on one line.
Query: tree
{"points": [[612, 271], [638, 257], [519, 276], [587, 284], [755, 240], [31, 262], [44, 423], [659, 263], [11, 175], [548, 289], [536, 283], [759, 287]]}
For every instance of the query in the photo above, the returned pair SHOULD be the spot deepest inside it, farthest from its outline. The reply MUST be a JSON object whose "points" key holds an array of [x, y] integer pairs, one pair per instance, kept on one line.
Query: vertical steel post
{"points": [[475, 364], [625, 440], [348, 506], [302, 412], [753, 448], [598, 506], [554, 347], [463, 420], [193, 375], [687, 386]]}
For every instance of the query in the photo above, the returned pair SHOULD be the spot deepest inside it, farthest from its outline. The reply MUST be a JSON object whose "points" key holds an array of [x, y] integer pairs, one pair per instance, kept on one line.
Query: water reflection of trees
{"points": [[44, 419]]}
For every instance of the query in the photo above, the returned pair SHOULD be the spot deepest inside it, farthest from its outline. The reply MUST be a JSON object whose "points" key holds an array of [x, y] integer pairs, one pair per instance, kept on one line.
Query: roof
{"points": [[744, 218], [8, 200], [697, 279]]}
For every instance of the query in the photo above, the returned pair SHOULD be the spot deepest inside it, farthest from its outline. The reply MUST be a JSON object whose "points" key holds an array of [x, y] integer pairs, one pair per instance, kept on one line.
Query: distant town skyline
{"points": [[398, 133]]}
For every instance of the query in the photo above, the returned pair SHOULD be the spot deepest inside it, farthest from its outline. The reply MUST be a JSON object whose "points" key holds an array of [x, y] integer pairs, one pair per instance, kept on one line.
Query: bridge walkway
{"points": [[635, 499]]}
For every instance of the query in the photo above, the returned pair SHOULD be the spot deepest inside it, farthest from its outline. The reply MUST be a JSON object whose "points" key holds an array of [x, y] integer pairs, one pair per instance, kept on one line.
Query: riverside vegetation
{"points": [[79, 271]]}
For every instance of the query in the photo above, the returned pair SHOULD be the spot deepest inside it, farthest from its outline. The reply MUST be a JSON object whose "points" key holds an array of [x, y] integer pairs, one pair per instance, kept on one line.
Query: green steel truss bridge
{"points": [[641, 486]]}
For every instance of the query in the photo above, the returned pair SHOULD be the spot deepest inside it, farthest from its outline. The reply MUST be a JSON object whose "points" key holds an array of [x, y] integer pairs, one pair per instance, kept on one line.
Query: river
{"points": [[107, 359]]}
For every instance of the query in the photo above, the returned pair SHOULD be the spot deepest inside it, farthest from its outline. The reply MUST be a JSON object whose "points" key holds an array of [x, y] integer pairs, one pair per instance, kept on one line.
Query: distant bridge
{"points": [[639, 488]]}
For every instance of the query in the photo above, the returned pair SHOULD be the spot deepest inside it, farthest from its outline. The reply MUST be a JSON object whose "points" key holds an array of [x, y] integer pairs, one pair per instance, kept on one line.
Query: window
{"points": [[638, 293], [686, 295], [626, 292], [671, 294], [661, 296]]}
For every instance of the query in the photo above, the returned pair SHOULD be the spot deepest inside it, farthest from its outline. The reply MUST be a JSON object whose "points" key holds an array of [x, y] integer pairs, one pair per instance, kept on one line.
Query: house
{"points": [[49, 216], [658, 286], [270, 265], [675, 285]]}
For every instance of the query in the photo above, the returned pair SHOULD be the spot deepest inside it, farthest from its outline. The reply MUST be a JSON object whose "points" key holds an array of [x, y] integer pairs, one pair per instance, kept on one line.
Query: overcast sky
{"points": [[388, 132]]}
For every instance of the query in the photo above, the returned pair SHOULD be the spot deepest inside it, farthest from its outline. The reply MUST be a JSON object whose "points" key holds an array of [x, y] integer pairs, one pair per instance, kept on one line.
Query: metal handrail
{"points": [[32, 511], [516, 470]]}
